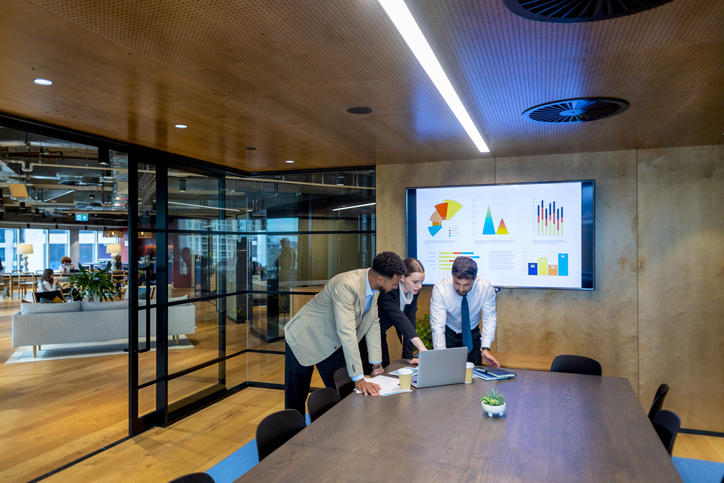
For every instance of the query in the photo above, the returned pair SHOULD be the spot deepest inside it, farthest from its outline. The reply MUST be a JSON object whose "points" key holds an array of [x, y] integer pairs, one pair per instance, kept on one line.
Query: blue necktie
{"points": [[367, 304], [465, 317]]}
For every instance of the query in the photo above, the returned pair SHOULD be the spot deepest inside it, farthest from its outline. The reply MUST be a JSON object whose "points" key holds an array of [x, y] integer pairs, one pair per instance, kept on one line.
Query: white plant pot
{"points": [[493, 410]]}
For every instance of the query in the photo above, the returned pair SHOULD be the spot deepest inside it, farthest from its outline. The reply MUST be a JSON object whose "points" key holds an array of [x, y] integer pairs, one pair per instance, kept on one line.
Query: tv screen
{"points": [[528, 235]]}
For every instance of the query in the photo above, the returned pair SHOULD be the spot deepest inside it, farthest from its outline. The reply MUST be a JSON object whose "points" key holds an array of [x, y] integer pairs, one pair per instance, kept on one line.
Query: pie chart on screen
{"points": [[443, 211]]}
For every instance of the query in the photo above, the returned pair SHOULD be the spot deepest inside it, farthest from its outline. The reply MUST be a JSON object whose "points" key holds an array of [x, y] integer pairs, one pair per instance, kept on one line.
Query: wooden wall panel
{"points": [[657, 314], [599, 324], [681, 280]]}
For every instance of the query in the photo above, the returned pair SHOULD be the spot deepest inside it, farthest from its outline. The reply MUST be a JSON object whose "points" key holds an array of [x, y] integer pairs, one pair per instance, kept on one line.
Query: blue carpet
{"points": [[699, 471], [238, 462]]}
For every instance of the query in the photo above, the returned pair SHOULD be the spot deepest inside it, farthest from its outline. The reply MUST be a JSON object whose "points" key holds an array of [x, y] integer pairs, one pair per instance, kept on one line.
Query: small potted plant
{"points": [[493, 403]]}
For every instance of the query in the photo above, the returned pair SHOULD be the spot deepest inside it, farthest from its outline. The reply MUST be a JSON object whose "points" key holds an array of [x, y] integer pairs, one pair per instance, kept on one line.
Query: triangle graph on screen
{"points": [[489, 226], [443, 211]]}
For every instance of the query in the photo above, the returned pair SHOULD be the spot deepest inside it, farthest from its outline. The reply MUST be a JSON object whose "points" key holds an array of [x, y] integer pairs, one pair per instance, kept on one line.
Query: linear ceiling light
{"points": [[410, 31], [354, 206], [203, 206]]}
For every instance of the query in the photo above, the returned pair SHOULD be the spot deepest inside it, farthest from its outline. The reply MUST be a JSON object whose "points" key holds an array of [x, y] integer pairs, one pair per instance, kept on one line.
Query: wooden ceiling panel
{"points": [[279, 75]]}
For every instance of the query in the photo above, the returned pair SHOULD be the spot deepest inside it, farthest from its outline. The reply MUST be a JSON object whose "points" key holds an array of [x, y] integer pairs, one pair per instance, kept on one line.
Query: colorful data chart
{"points": [[489, 227], [541, 267], [446, 259], [443, 211], [549, 219]]}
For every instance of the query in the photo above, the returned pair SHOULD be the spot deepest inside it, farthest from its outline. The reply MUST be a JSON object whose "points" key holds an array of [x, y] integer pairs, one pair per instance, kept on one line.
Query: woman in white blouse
{"points": [[47, 283]]}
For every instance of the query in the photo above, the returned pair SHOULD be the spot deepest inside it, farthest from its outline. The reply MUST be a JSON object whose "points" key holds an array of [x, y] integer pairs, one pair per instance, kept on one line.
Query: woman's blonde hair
{"points": [[413, 265]]}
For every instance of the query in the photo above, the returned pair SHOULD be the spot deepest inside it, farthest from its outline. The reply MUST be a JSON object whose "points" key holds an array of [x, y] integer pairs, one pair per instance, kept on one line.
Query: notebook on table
{"points": [[488, 374], [440, 367]]}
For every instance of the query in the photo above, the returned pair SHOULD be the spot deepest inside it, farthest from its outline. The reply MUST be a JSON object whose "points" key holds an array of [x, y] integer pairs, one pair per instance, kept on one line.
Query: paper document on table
{"points": [[388, 385]]}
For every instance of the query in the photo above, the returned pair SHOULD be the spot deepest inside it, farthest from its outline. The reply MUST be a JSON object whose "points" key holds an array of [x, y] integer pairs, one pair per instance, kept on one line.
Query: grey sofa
{"points": [[38, 324]]}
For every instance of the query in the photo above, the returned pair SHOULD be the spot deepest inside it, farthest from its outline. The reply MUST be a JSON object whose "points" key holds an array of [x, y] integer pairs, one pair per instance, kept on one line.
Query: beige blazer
{"points": [[333, 319]]}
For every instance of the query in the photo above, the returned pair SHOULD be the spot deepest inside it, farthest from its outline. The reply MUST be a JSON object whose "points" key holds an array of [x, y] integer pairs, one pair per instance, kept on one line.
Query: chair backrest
{"points": [[658, 400], [576, 365], [344, 384], [276, 429], [320, 401], [667, 426], [194, 478]]}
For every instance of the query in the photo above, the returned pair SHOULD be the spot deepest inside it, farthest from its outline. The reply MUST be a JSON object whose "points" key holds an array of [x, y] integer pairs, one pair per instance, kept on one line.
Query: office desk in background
{"points": [[558, 427]]}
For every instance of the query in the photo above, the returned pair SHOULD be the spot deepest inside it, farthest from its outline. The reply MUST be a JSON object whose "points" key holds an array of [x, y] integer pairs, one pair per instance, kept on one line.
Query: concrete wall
{"points": [[657, 314]]}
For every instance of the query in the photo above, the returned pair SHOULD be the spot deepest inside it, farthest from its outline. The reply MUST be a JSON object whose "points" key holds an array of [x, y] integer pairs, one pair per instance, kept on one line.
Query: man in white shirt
{"points": [[455, 312]]}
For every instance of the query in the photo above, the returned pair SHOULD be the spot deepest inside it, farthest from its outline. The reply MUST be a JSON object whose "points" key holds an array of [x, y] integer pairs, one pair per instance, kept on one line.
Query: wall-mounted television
{"points": [[526, 235]]}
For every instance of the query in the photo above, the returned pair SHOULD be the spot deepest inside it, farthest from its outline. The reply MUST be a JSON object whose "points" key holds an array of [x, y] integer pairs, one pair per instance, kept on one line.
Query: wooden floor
{"points": [[53, 412]]}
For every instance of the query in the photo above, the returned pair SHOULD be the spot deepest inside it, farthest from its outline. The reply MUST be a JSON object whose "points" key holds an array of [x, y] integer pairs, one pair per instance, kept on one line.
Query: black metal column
{"points": [[221, 284], [162, 294], [134, 423]]}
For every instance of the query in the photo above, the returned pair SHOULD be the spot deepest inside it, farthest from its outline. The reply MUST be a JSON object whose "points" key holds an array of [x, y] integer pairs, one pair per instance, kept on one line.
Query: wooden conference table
{"points": [[558, 427]]}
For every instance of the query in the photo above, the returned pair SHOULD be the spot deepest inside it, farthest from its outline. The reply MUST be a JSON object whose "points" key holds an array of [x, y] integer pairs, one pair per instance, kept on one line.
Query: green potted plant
{"points": [[424, 331], [493, 403], [95, 286]]}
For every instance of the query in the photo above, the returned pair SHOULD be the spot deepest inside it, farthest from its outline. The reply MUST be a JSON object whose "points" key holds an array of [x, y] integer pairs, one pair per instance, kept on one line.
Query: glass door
{"points": [[178, 292]]}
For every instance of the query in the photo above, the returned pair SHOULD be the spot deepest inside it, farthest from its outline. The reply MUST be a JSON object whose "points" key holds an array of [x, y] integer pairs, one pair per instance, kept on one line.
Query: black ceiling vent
{"points": [[581, 109], [579, 10]]}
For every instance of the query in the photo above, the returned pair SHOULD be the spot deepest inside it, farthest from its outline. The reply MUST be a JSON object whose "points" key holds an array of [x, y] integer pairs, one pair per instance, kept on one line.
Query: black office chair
{"points": [[276, 429], [661, 393], [320, 401], [344, 384], [667, 426], [576, 365], [194, 478]]}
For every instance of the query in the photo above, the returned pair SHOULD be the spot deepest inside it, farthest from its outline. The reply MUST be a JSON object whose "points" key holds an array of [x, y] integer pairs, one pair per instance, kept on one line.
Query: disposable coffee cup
{"points": [[405, 376], [469, 366]]}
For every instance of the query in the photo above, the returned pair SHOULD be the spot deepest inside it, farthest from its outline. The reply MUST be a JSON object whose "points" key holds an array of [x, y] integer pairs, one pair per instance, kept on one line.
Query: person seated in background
{"points": [[258, 272], [66, 265], [47, 282]]}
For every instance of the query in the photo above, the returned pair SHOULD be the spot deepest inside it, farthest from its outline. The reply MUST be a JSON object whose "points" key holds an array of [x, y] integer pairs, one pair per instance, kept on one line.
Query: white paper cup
{"points": [[469, 366], [405, 376]]}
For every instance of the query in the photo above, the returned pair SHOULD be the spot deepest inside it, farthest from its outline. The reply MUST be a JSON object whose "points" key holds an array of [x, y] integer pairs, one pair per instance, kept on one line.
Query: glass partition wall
{"points": [[241, 254], [209, 264]]}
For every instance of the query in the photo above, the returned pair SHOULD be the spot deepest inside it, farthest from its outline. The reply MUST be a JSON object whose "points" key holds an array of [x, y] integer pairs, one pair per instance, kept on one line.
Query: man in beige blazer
{"points": [[327, 330]]}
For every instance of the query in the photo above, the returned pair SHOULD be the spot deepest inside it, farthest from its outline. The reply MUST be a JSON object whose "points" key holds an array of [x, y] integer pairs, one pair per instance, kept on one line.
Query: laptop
{"points": [[440, 367]]}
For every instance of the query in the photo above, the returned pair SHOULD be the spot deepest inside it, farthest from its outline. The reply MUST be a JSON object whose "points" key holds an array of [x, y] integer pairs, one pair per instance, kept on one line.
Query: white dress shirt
{"points": [[445, 310]]}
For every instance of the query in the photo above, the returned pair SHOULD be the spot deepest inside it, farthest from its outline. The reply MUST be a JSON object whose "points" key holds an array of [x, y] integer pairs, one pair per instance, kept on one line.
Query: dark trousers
{"points": [[366, 366], [407, 351], [297, 377], [456, 340]]}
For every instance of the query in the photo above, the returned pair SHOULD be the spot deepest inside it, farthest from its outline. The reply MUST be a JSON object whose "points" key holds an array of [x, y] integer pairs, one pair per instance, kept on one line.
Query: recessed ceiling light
{"points": [[289, 161], [180, 126], [42, 82], [359, 110], [411, 33]]}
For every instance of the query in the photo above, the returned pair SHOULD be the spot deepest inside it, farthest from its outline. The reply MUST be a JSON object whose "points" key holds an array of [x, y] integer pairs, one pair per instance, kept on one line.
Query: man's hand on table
{"points": [[489, 359], [368, 388]]}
